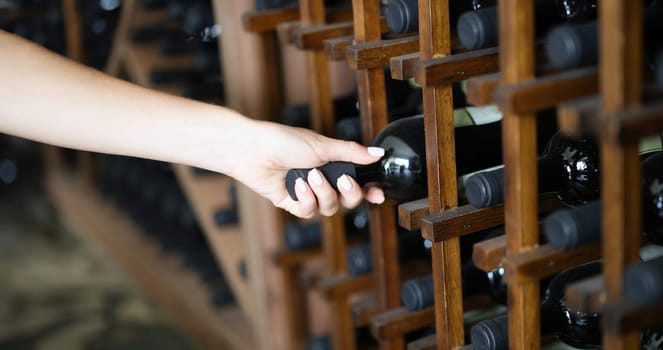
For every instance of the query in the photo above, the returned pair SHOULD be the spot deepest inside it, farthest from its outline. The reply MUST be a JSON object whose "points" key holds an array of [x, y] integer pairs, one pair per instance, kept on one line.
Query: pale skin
{"points": [[50, 99]]}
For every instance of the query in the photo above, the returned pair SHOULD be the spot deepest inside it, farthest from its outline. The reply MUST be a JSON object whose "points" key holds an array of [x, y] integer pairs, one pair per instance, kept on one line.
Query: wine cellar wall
{"points": [[559, 247]]}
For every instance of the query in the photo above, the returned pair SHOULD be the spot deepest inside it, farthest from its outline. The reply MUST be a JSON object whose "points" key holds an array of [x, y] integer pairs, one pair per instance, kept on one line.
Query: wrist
{"points": [[220, 140]]}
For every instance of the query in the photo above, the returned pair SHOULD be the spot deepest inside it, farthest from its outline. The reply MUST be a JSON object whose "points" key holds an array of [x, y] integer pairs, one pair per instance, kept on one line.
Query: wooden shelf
{"points": [[178, 291]]}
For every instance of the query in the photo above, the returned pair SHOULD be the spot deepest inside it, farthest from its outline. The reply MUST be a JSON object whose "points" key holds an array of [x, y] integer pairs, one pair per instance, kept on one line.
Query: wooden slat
{"points": [[341, 286], [466, 219], [377, 54], [622, 319], [312, 37], [411, 213], [286, 258], [621, 86], [544, 261], [548, 91], [268, 20], [373, 113], [312, 16], [587, 295], [402, 67], [398, 321], [363, 310], [517, 63], [487, 255], [579, 117], [480, 91], [456, 67], [335, 48], [435, 41], [635, 123]]}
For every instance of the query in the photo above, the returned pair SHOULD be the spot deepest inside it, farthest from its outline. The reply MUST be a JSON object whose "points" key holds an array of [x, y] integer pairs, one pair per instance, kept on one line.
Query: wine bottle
{"points": [[572, 45], [360, 258], [480, 29], [308, 234], [403, 15], [402, 171], [568, 167], [418, 293], [643, 280], [572, 227], [572, 327]]}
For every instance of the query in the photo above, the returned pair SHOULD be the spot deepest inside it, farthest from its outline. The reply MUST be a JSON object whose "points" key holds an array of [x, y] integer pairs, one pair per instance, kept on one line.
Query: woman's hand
{"points": [[275, 149]]}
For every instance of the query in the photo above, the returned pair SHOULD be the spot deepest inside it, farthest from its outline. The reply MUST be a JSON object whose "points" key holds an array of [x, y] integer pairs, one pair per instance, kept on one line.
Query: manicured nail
{"points": [[380, 200], [300, 186], [315, 177], [376, 151], [344, 183]]}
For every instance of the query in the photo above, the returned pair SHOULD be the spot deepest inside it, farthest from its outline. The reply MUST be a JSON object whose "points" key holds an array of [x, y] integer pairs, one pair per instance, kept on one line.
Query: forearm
{"points": [[50, 99]]}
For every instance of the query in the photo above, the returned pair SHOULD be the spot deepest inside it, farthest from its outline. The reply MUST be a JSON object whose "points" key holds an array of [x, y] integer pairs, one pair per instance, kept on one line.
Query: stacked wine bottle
{"points": [[150, 194]]}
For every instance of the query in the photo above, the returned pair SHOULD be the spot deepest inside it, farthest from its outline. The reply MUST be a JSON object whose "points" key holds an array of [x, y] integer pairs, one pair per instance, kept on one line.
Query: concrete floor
{"points": [[59, 293]]}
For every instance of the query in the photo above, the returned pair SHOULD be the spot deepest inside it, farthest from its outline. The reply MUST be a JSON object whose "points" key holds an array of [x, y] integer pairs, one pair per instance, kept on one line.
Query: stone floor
{"points": [[59, 293]]}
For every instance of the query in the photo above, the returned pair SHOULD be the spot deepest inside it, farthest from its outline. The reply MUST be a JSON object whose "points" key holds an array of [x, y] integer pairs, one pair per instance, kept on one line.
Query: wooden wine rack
{"points": [[605, 101]]}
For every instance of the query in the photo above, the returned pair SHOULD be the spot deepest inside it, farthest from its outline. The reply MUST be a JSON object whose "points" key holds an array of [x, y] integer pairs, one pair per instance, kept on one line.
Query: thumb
{"points": [[349, 151]]}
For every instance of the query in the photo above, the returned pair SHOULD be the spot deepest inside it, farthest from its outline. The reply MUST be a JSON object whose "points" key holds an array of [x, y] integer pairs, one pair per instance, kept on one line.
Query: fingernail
{"points": [[344, 183], [380, 200], [300, 186], [314, 177], [376, 151]]}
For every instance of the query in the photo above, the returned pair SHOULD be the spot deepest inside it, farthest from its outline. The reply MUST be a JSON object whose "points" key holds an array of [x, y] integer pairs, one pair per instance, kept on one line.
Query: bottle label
{"points": [[650, 251], [469, 116], [651, 144]]}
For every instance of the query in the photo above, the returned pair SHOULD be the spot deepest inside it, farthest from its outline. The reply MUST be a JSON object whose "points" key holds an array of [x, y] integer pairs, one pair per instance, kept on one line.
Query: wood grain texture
{"points": [[435, 41], [312, 15], [363, 310], [487, 255], [579, 117], [544, 92], [341, 286], [398, 321], [517, 63], [402, 67], [270, 19], [544, 261], [411, 213], [624, 319], [620, 173], [480, 91], [373, 114], [456, 67], [72, 29], [587, 295], [313, 37], [621, 87], [286, 258], [377, 54], [635, 123], [466, 219], [335, 48]]}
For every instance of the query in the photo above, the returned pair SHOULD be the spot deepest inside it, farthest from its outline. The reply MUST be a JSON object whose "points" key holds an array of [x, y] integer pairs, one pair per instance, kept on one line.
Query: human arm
{"points": [[51, 99]]}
